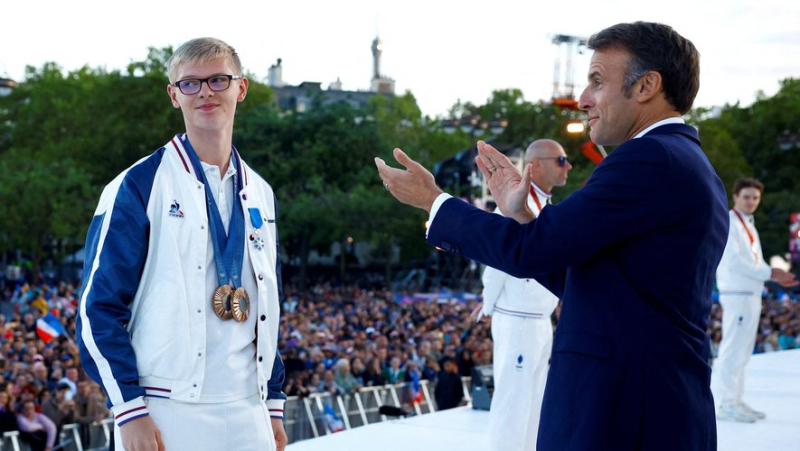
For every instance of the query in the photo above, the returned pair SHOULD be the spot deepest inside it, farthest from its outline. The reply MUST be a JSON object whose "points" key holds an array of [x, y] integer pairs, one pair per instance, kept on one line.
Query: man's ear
{"points": [[649, 85], [173, 96], [243, 85]]}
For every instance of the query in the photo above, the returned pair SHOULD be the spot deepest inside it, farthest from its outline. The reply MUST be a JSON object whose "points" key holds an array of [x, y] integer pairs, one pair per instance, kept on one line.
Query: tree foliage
{"points": [[63, 136]]}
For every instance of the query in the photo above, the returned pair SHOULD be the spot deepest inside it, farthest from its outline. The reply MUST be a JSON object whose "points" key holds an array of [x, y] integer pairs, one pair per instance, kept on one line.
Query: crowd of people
{"points": [[42, 384], [779, 328], [339, 339], [332, 339]]}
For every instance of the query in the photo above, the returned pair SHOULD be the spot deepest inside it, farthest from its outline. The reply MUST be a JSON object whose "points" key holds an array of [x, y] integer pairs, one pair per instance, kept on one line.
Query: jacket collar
{"points": [[682, 129]]}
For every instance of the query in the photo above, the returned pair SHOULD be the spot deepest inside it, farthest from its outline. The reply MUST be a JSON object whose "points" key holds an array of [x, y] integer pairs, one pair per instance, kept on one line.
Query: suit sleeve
{"points": [[116, 250], [621, 199]]}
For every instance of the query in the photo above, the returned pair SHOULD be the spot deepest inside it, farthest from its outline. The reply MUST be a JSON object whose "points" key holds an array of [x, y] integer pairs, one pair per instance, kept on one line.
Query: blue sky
{"points": [[441, 50]]}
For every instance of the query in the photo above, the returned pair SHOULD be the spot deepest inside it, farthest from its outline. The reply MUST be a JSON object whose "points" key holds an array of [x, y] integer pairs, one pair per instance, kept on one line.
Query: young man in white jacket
{"points": [[178, 320], [521, 327], [740, 279]]}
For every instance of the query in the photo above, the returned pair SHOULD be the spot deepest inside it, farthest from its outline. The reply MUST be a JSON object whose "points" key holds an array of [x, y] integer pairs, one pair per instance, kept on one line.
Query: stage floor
{"points": [[773, 386]]}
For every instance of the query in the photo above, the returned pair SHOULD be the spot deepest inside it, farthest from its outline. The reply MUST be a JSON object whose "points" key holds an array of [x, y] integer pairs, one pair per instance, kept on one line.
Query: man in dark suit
{"points": [[632, 254]]}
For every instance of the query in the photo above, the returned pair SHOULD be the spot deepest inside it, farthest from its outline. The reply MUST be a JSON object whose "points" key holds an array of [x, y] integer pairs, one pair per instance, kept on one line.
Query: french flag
{"points": [[49, 327]]}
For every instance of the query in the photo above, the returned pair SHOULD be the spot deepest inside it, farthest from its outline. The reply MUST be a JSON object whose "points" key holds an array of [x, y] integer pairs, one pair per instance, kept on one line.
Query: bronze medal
{"points": [[222, 302], [240, 305]]}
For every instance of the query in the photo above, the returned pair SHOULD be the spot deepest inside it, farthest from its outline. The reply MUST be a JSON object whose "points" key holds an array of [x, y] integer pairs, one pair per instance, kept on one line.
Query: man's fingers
{"points": [[482, 166], [491, 156], [406, 161]]}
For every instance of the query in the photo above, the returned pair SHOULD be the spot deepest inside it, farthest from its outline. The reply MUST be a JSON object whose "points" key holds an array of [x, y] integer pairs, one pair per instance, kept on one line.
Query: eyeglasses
{"points": [[191, 86], [562, 160]]}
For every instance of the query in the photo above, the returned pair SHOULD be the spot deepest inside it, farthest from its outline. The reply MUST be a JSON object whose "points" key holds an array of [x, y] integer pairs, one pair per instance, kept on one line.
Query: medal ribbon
{"points": [[536, 199], [749, 234], [228, 250]]}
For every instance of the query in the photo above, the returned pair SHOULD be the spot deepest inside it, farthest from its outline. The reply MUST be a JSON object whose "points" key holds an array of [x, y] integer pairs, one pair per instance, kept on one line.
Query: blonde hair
{"points": [[201, 50]]}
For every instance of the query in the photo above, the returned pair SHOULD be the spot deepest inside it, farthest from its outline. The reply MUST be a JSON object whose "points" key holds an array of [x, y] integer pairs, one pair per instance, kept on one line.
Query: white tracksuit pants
{"points": [[522, 349], [740, 317], [237, 425]]}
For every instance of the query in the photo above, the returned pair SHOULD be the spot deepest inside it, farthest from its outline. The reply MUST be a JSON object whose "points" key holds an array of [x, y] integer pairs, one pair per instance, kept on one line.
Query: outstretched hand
{"points": [[784, 278], [509, 188], [413, 186]]}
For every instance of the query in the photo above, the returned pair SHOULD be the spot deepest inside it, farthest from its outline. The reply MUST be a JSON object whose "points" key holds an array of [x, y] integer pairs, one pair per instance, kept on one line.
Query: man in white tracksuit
{"points": [[521, 327], [740, 279]]}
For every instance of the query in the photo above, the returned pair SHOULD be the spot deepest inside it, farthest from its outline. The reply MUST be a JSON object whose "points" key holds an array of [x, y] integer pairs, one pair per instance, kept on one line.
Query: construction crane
{"points": [[569, 46]]}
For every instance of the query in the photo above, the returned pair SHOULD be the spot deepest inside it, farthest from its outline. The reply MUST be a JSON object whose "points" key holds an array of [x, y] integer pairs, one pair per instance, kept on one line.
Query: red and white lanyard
{"points": [[749, 236], [536, 199]]}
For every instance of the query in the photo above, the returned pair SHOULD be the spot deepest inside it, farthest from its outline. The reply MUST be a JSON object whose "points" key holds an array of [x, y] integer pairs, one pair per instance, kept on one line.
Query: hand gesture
{"points": [[509, 188], [413, 186], [784, 278]]}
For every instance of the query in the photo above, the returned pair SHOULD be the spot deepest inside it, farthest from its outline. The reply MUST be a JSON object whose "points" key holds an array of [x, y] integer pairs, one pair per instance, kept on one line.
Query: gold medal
{"points": [[222, 302], [240, 305]]}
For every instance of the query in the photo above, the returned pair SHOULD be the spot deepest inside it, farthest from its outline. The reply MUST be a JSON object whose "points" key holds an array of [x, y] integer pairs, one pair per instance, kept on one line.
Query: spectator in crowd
{"points": [[90, 406], [344, 377], [430, 369], [35, 428], [393, 374], [329, 384], [449, 391], [70, 379], [359, 370], [372, 375], [8, 420], [59, 409]]}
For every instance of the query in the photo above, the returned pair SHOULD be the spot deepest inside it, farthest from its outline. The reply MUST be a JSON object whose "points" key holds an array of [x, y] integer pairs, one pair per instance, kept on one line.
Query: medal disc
{"points": [[222, 302], [240, 305]]}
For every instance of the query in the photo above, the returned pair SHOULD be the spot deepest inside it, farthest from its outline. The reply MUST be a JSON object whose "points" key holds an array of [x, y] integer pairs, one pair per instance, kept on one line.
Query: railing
{"points": [[305, 417], [70, 439]]}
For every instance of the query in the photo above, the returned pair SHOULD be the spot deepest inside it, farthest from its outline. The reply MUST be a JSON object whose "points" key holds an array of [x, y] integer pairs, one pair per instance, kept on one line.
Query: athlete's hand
{"points": [[785, 278], [281, 440], [141, 434]]}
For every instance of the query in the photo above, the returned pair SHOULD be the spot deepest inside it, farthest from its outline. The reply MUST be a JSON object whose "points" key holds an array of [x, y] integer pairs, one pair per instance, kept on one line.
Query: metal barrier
{"points": [[305, 418], [70, 438]]}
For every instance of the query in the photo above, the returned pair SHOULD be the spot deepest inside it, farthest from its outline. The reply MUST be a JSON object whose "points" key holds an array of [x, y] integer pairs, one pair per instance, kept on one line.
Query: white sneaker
{"points": [[753, 412], [734, 412]]}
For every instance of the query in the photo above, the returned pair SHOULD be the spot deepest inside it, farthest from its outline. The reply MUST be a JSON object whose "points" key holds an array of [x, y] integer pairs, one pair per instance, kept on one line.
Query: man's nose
{"points": [[584, 101]]}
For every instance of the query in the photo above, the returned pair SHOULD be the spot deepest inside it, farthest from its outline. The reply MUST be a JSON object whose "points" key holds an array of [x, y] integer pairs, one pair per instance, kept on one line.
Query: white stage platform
{"points": [[773, 386]]}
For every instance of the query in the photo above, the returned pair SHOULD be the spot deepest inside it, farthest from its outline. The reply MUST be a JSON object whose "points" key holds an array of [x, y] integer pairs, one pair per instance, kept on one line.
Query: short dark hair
{"points": [[656, 47], [747, 182]]}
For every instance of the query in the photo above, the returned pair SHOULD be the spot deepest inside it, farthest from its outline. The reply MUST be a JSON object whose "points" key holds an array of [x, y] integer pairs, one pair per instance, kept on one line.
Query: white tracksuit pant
{"points": [[238, 425], [522, 349], [740, 318]]}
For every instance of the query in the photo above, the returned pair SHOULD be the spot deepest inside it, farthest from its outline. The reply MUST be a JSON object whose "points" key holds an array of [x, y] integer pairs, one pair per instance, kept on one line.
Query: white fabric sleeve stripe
{"points": [[130, 410], [435, 209], [275, 407], [103, 366]]}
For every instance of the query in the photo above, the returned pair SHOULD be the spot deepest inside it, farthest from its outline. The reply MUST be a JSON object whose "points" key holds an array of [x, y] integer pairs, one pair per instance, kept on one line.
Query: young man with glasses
{"points": [[178, 321], [522, 333]]}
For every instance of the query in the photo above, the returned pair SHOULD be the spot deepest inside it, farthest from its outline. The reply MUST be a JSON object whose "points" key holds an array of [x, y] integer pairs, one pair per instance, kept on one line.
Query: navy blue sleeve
{"points": [[617, 202]]}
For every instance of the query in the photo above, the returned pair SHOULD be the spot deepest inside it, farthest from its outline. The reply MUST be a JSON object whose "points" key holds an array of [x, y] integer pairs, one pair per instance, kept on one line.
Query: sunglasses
{"points": [[217, 83], [562, 160]]}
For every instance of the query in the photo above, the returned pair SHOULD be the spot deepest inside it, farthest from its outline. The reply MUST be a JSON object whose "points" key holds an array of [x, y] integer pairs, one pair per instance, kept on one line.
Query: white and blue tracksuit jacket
{"points": [[143, 284]]}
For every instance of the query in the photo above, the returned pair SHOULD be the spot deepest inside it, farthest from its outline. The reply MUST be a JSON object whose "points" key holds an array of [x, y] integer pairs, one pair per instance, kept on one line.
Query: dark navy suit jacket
{"points": [[632, 255]]}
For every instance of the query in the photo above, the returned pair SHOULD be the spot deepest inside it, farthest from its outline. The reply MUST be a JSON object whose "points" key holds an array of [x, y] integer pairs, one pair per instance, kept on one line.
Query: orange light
{"points": [[575, 127]]}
